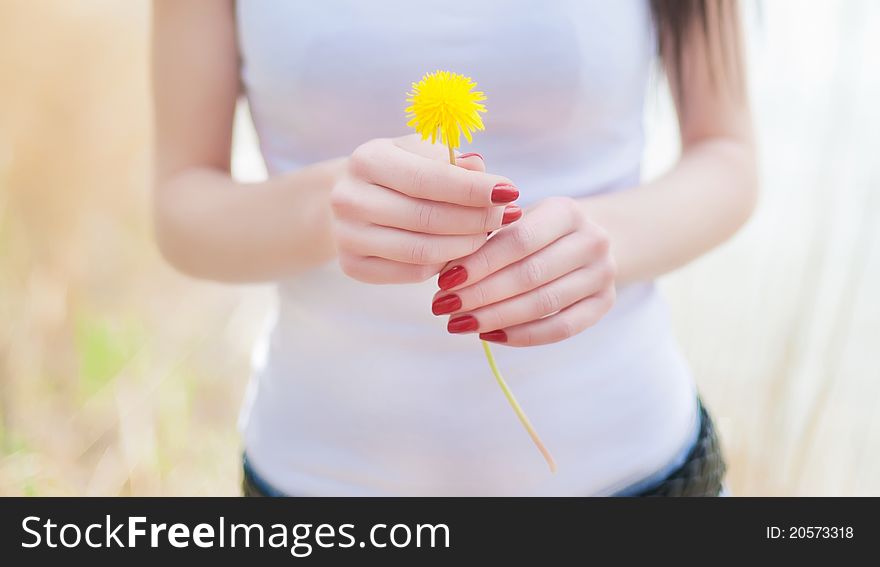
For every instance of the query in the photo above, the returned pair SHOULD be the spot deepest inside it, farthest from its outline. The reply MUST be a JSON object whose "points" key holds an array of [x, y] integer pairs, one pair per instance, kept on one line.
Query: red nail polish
{"points": [[504, 193], [470, 154], [456, 275], [511, 213], [498, 336], [462, 324], [446, 304]]}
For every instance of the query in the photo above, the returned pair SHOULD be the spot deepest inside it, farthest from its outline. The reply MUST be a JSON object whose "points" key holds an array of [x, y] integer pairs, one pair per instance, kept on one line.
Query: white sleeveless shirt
{"points": [[362, 391]]}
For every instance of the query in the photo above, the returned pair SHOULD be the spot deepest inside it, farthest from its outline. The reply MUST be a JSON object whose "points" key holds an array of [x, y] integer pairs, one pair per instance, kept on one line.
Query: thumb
{"points": [[471, 161]]}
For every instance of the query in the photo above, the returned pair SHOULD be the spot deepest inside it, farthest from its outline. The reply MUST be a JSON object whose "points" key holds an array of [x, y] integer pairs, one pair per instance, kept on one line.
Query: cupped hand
{"points": [[401, 212], [539, 281]]}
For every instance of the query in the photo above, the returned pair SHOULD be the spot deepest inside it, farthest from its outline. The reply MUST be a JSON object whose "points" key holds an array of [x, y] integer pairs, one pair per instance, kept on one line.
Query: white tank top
{"points": [[361, 390]]}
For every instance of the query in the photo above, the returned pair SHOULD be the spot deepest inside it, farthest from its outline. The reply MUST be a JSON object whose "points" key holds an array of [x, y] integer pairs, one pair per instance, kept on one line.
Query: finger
{"points": [[537, 229], [559, 258], [403, 245], [532, 305], [389, 208], [438, 152], [373, 270], [384, 163], [415, 144], [565, 324], [471, 161]]}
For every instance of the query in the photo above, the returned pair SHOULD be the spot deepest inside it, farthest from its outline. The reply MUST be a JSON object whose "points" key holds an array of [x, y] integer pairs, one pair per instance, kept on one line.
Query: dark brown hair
{"points": [[716, 20]]}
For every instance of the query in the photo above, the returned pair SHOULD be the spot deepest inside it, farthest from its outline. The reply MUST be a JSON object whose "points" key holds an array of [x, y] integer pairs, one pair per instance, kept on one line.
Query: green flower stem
{"points": [[523, 418], [511, 399]]}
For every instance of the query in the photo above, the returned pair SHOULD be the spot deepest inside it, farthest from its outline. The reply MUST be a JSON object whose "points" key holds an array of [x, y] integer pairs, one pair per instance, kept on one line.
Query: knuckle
{"points": [[608, 274], [590, 250], [566, 328], [600, 243], [426, 215], [423, 251], [482, 259], [486, 223], [612, 267], [342, 200], [523, 238], [338, 202], [495, 319], [534, 272], [361, 160], [567, 210], [474, 190], [549, 300], [419, 181], [477, 296]]}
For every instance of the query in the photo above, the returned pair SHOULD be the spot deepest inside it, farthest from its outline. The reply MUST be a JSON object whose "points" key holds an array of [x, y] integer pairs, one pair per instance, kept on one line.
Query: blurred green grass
{"points": [[103, 347]]}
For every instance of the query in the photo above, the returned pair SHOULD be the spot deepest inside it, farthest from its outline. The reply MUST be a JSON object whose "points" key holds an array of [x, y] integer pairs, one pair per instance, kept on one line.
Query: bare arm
{"points": [[208, 225], [711, 191]]}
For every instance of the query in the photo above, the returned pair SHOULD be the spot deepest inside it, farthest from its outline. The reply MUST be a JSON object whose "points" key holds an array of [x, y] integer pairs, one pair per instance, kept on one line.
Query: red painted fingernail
{"points": [[511, 213], [456, 275], [462, 324], [470, 154], [446, 304], [504, 193], [498, 336]]}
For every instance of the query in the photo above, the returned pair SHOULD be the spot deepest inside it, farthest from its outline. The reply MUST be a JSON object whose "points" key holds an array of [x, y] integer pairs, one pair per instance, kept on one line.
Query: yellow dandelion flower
{"points": [[445, 104]]}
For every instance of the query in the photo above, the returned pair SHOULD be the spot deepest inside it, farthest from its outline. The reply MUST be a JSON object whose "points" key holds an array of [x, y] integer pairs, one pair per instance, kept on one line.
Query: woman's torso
{"points": [[361, 390]]}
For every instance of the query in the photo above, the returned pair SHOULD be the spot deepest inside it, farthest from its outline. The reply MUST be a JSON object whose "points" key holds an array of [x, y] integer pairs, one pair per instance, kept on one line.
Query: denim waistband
{"points": [[257, 482], [657, 478]]}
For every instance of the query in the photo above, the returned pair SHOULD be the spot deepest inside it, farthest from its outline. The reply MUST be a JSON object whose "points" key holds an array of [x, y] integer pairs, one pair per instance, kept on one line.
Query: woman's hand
{"points": [[401, 212], [546, 278]]}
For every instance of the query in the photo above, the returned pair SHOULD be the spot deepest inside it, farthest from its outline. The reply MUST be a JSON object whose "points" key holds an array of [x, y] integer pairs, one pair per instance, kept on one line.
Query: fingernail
{"points": [[462, 324], [498, 336], [446, 304], [511, 213], [456, 275], [504, 193], [470, 154]]}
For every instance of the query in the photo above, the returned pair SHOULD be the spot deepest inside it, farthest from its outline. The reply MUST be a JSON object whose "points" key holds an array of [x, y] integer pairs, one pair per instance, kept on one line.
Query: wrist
{"points": [[309, 237]]}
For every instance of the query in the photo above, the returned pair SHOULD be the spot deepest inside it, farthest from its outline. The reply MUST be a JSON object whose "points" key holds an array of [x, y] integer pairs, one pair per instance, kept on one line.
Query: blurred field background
{"points": [[118, 376]]}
